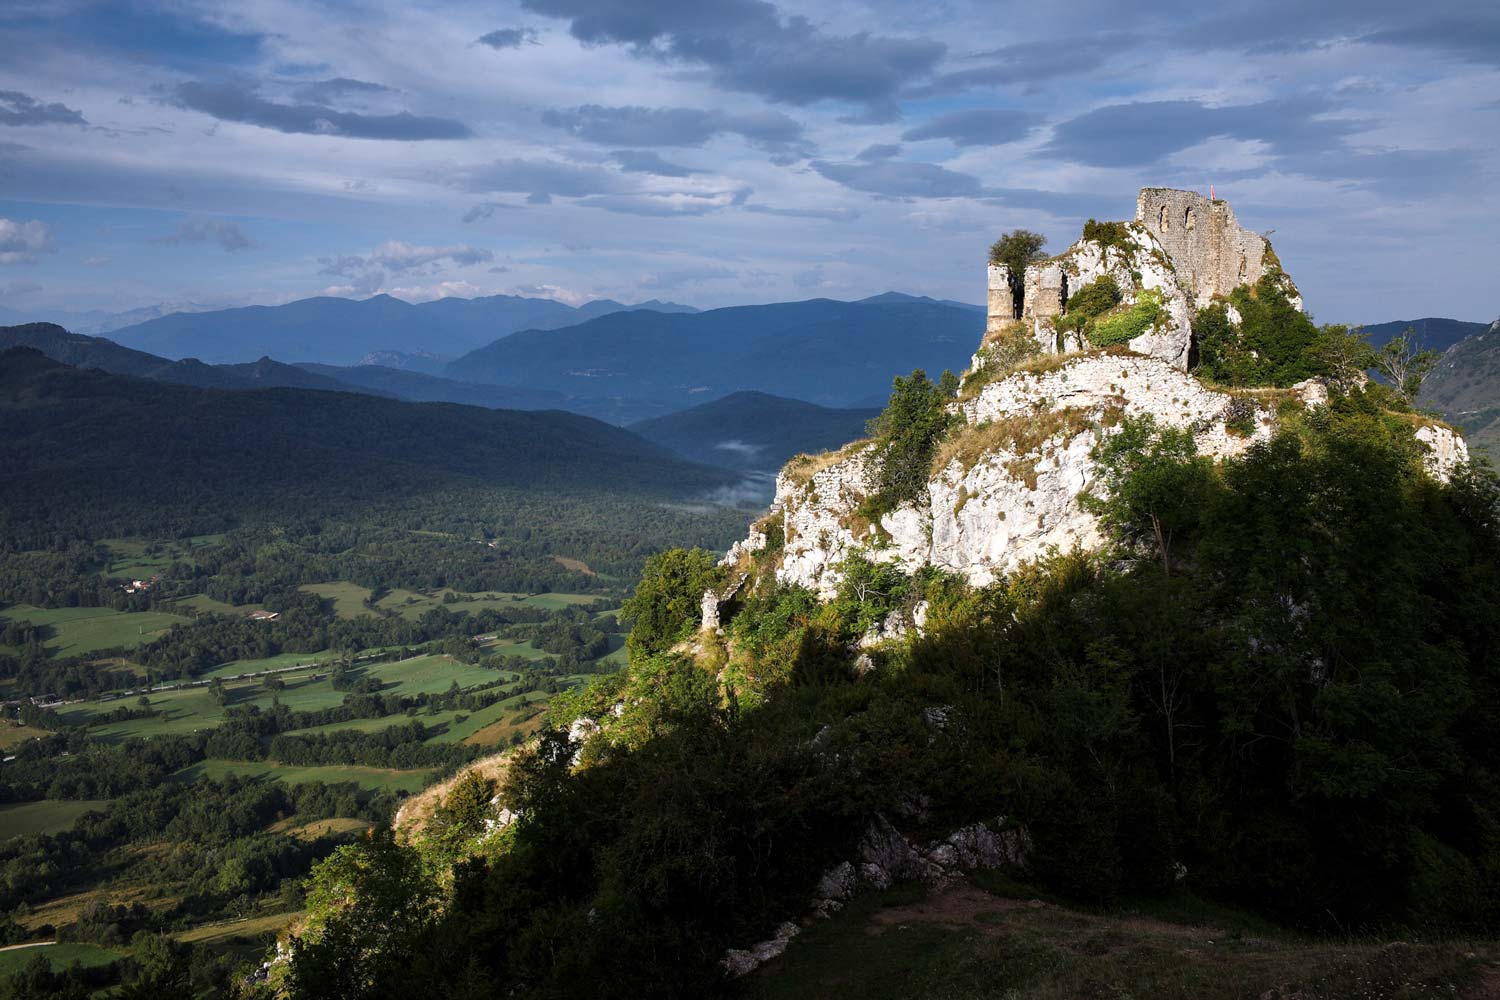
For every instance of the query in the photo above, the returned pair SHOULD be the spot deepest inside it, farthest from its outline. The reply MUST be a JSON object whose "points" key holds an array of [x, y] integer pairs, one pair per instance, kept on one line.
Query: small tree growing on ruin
{"points": [[1016, 249]]}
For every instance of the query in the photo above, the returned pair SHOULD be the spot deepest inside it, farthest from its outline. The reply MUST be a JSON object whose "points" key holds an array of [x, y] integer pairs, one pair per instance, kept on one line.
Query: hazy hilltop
{"points": [[820, 350], [754, 431], [1432, 332], [340, 331], [96, 441]]}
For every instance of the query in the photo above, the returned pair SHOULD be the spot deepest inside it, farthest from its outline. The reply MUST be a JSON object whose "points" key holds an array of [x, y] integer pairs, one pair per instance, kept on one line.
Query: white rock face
{"points": [[1446, 450], [985, 520]]}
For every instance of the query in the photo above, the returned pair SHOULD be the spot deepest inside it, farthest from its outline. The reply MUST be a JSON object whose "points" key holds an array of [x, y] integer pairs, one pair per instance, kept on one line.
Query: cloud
{"points": [[17, 289], [825, 214], [1145, 132], [665, 280], [1473, 35], [95, 261], [24, 242], [638, 126], [228, 235], [236, 103], [440, 290], [323, 91], [879, 151], [485, 210], [1031, 63], [399, 256], [17, 108], [749, 46], [538, 177], [811, 278], [902, 179], [979, 127], [509, 38], [638, 161], [656, 206]]}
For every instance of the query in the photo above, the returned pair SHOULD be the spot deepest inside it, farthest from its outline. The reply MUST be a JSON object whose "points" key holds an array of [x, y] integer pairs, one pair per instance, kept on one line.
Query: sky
{"points": [[718, 152]]}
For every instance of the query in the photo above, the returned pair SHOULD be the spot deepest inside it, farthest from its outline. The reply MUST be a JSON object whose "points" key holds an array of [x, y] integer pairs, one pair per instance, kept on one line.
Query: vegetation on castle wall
{"points": [[1092, 300], [1123, 327], [1016, 249], [1109, 234]]}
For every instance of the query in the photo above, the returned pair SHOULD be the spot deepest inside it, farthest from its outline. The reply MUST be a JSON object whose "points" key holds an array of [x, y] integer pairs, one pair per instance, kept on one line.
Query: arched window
{"points": [[1244, 269], [1161, 219], [1189, 218]]}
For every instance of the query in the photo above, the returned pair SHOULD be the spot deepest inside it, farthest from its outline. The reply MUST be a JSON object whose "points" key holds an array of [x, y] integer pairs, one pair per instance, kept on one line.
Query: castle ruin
{"points": [[1208, 250]]}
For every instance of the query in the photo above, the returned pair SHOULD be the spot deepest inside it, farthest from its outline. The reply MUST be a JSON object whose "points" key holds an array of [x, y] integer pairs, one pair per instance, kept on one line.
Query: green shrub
{"points": [[907, 434], [1123, 327], [1109, 234], [1094, 299], [1016, 249]]}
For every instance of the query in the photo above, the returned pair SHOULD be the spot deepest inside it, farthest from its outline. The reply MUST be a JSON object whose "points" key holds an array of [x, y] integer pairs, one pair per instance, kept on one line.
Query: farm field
{"points": [[348, 598], [203, 604], [19, 819], [411, 604], [80, 631], [13, 960], [371, 778], [235, 667], [189, 709], [248, 928], [13, 735]]}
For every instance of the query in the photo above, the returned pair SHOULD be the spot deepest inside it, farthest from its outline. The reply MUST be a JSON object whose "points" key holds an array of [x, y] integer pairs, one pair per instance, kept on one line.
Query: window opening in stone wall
{"points": [[1161, 219], [1189, 218], [1244, 269]]}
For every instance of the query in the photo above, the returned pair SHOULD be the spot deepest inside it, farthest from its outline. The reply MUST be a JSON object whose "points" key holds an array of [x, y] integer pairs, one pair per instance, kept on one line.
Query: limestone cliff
{"points": [[1005, 485]]}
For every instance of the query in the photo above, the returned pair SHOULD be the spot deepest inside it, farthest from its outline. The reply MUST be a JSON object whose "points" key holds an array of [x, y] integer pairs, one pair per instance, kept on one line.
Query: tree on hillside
{"points": [[1154, 484], [908, 431], [1405, 366], [665, 606]]}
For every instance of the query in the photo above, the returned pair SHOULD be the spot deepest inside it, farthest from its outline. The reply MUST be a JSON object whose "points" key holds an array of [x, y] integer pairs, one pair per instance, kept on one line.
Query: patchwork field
{"points": [[371, 778], [348, 598], [80, 631], [19, 819], [13, 734], [189, 709], [250, 928], [200, 604], [61, 956]]}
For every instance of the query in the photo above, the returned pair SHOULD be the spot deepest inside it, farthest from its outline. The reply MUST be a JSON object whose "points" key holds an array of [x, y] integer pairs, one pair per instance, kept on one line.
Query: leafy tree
{"points": [[1154, 484], [162, 971], [1016, 249], [368, 905], [907, 433], [665, 606], [1405, 366]]}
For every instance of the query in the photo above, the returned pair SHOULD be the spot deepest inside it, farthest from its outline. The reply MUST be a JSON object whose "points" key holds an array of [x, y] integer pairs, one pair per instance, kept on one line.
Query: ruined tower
{"points": [[1212, 252]]}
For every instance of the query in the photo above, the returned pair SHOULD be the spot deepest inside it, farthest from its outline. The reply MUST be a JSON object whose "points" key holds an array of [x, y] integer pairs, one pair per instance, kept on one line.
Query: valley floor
{"points": [[987, 938]]}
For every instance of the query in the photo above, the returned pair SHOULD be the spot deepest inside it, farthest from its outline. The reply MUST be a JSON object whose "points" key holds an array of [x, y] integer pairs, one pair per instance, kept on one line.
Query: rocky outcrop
{"points": [[1446, 449], [885, 857]]}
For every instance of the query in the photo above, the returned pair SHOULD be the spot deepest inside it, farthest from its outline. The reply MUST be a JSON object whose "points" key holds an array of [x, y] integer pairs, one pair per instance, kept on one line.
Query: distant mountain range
{"points": [[337, 331], [827, 352], [754, 431], [1432, 332], [110, 445]]}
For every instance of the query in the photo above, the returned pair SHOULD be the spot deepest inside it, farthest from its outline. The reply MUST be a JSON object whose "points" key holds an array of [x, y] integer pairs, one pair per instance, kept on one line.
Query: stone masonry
{"points": [[1212, 252]]}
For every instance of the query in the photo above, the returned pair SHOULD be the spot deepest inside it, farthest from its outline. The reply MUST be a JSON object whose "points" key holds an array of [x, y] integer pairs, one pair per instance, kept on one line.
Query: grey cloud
{"points": [[902, 179], [638, 161], [1472, 34], [323, 91], [811, 278], [540, 178], [748, 46], [20, 288], [1140, 133], [824, 214], [1030, 63], [398, 256], [879, 151], [509, 38], [979, 127], [17, 108], [228, 235], [485, 210], [654, 207], [23, 242], [237, 103], [638, 126], [664, 280], [539, 198]]}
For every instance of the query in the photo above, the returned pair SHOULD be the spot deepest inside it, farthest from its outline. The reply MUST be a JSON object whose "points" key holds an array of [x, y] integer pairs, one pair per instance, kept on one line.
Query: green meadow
{"points": [[80, 631], [47, 816], [13, 960], [369, 778]]}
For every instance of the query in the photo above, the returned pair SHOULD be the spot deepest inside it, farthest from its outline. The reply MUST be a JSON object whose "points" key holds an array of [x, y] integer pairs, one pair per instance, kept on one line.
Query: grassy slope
{"points": [[79, 631], [965, 941], [48, 816], [60, 955]]}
